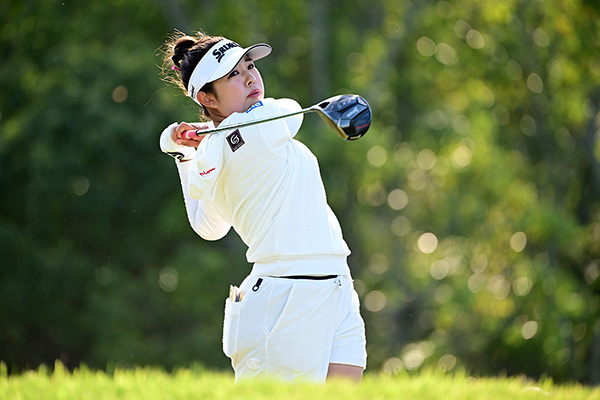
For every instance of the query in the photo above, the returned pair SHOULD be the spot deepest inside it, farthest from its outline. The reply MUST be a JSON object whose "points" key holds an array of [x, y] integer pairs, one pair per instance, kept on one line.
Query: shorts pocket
{"points": [[231, 323], [277, 308]]}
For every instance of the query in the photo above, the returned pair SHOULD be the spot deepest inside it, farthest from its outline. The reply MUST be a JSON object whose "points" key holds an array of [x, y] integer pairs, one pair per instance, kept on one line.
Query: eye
{"points": [[251, 66], [233, 73]]}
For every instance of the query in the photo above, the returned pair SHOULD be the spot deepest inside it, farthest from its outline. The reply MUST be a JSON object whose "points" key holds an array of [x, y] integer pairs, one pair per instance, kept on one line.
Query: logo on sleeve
{"points": [[235, 140], [208, 171]]}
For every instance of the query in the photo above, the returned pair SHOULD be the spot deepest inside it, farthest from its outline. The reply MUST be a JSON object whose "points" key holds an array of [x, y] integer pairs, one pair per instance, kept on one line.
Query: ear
{"points": [[206, 99]]}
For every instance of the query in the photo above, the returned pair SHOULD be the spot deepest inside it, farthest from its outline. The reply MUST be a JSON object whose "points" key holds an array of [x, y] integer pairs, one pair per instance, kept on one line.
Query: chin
{"points": [[253, 101]]}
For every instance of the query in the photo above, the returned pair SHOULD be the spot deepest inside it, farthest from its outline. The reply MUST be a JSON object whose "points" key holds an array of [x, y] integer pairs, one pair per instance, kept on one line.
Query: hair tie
{"points": [[175, 68]]}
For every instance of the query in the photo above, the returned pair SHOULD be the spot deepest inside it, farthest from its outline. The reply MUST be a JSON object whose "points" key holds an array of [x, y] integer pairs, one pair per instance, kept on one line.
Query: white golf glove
{"points": [[170, 147]]}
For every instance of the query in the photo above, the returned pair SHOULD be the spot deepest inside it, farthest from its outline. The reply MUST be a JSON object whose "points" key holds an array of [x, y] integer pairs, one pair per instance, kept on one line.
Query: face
{"points": [[235, 92]]}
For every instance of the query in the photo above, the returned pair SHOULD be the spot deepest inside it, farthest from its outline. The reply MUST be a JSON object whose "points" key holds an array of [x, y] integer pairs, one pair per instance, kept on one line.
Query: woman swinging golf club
{"points": [[296, 315]]}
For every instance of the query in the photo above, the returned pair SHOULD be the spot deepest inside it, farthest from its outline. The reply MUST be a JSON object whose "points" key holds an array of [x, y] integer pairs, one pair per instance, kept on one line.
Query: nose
{"points": [[250, 79]]}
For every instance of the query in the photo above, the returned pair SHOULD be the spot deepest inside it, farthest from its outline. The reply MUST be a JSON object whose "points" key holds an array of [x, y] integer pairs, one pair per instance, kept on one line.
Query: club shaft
{"points": [[201, 132]]}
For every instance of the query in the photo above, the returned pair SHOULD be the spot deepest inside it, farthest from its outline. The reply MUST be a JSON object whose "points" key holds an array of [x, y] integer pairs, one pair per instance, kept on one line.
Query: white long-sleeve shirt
{"points": [[268, 186]]}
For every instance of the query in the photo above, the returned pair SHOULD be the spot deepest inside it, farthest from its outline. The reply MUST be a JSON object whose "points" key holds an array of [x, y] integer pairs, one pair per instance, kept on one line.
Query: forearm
{"points": [[207, 225]]}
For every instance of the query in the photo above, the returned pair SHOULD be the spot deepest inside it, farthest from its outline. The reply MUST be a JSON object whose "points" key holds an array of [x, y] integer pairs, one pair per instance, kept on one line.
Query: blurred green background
{"points": [[471, 206]]}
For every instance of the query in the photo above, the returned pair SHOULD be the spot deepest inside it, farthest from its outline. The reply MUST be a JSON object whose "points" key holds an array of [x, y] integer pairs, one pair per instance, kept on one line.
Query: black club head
{"points": [[349, 115]]}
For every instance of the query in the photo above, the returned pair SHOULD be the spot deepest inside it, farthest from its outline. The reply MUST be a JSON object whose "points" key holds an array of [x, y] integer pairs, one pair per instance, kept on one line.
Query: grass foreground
{"points": [[198, 383]]}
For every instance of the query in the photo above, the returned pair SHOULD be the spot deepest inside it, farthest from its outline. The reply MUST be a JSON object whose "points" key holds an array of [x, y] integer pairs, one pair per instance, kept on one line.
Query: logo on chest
{"points": [[235, 140]]}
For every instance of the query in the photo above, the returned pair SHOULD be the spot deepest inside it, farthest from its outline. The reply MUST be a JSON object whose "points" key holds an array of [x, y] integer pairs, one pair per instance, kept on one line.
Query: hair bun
{"points": [[182, 46]]}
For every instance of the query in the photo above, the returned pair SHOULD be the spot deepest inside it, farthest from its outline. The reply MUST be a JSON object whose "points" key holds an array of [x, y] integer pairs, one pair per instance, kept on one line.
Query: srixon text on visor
{"points": [[220, 52]]}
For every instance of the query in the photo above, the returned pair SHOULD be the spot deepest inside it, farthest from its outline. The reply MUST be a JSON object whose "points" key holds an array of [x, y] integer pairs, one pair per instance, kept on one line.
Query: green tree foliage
{"points": [[483, 189], [471, 206]]}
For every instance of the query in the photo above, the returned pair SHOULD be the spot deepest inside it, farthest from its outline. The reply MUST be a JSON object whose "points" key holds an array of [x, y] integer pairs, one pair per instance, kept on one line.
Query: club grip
{"points": [[189, 134]]}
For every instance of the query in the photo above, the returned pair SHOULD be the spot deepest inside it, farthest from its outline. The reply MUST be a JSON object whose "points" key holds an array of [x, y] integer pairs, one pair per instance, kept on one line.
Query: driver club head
{"points": [[349, 115]]}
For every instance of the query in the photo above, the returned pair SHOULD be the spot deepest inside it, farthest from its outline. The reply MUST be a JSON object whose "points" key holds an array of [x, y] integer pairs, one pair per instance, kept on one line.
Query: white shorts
{"points": [[293, 328]]}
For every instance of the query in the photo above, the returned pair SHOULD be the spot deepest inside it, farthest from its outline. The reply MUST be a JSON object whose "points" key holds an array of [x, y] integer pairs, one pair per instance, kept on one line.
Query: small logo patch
{"points": [[235, 140], [255, 105], [204, 173]]}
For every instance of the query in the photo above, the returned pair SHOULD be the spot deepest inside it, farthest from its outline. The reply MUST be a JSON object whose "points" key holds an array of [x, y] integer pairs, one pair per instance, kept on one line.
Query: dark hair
{"points": [[185, 52]]}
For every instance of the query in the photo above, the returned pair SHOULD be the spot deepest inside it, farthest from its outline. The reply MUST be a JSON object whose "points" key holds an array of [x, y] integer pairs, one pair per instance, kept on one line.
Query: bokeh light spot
{"points": [[401, 226], [439, 269], [168, 279], [417, 180], [444, 9], [446, 54], [499, 286], [461, 124], [513, 70], [529, 329], [377, 156], [461, 27], [403, 153], [393, 366], [379, 263], [356, 62], [479, 263], [413, 359], [535, 83], [447, 362], [443, 293], [426, 159], [375, 301], [476, 283], [541, 38], [81, 185], [426, 46], [461, 157], [437, 119], [522, 285], [427, 243], [414, 354], [518, 241], [475, 39], [120, 94], [528, 125], [397, 199]]}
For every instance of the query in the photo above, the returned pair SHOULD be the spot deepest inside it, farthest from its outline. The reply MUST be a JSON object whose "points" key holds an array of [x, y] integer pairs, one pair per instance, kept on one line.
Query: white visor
{"points": [[220, 60]]}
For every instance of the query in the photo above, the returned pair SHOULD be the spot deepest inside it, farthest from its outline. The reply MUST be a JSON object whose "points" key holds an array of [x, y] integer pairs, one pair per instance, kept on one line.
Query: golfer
{"points": [[296, 315]]}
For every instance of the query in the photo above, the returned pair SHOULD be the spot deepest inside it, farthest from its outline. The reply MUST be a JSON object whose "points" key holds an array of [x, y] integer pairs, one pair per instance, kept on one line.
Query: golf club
{"points": [[348, 115]]}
